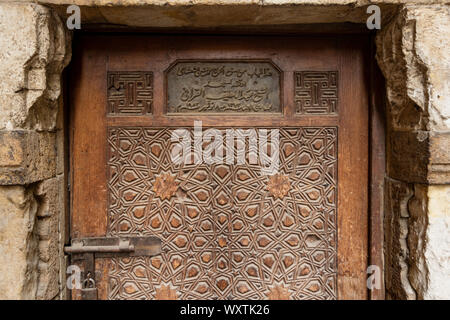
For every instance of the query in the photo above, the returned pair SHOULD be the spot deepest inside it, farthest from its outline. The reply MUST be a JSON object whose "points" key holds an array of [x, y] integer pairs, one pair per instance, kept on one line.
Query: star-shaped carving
{"points": [[165, 293], [165, 186], [278, 292], [278, 185]]}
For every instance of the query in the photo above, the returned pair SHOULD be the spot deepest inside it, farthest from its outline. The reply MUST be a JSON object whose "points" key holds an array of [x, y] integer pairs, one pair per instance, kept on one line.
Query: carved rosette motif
{"points": [[224, 235], [165, 186], [316, 92], [278, 292], [165, 292], [278, 185]]}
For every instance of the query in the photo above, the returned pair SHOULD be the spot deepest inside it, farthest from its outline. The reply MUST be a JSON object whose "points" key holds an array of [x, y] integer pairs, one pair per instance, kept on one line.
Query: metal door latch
{"points": [[85, 250], [78, 246]]}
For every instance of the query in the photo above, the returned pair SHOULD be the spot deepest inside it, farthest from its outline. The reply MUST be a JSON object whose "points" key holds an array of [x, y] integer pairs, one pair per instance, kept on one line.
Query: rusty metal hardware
{"points": [[85, 250], [78, 247], [107, 247], [89, 290]]}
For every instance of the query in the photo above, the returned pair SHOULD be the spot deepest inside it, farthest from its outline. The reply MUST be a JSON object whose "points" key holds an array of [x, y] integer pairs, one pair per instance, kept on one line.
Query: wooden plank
{"points": [[353, 173], [89, 192], [377, 171]]}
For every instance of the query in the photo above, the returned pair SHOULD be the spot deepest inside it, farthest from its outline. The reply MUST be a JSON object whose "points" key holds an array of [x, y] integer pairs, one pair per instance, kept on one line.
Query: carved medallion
{"points": [[165, 186], [278, 292], [164, 292], [278, 185], [223, 86]]}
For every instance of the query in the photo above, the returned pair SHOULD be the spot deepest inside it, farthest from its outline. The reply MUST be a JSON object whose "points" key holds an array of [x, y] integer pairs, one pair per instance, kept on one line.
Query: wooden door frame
{"points": [[377, 136], [377, 169]]}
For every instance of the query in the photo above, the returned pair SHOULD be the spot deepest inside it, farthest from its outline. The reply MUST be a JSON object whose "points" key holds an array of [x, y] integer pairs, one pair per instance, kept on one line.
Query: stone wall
{"points": [[34, 51], [414, 55], [413, 51]]}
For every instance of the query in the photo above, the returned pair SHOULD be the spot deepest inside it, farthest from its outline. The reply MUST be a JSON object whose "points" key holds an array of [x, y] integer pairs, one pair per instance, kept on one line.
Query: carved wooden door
{"points": [[228, 230]]}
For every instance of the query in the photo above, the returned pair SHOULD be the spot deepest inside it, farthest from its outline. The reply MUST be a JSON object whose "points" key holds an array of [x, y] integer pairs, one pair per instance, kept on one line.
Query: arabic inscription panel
{"points": [[227, 86]]}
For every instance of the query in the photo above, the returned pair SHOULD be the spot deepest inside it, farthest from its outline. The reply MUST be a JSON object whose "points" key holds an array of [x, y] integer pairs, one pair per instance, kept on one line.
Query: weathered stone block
{"points": [[397, 195], [419, 156], [408, 155], [18, 243], [439, 165], [33, 52], [416, 240], [11, 149], [26, 156], [437, 254], [48, 281], [47, 192], [48, 228], [412, 52]]}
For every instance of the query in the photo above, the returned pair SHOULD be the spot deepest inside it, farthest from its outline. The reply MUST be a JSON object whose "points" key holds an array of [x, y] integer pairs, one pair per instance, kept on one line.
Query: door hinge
{"points": [[85, 250]]}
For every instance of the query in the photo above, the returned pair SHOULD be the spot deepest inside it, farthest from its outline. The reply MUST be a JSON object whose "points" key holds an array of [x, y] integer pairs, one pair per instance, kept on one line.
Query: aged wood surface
{"points": [[353, 174], [88, 134], [95, 130], [377, 174]]}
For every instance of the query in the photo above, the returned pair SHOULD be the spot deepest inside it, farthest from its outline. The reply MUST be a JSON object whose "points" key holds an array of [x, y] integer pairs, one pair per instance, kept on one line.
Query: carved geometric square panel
{"points": [[316, 92], [130, 93], [227, 231]]}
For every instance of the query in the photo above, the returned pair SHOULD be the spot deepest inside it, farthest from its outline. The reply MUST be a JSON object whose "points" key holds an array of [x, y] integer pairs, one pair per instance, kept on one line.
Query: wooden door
{"points": [[228, 230]]}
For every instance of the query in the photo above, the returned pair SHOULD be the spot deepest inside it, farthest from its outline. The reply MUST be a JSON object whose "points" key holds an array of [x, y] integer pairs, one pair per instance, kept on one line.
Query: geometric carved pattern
{"points": [[130, 93], [316, 92], [224, 234]]}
